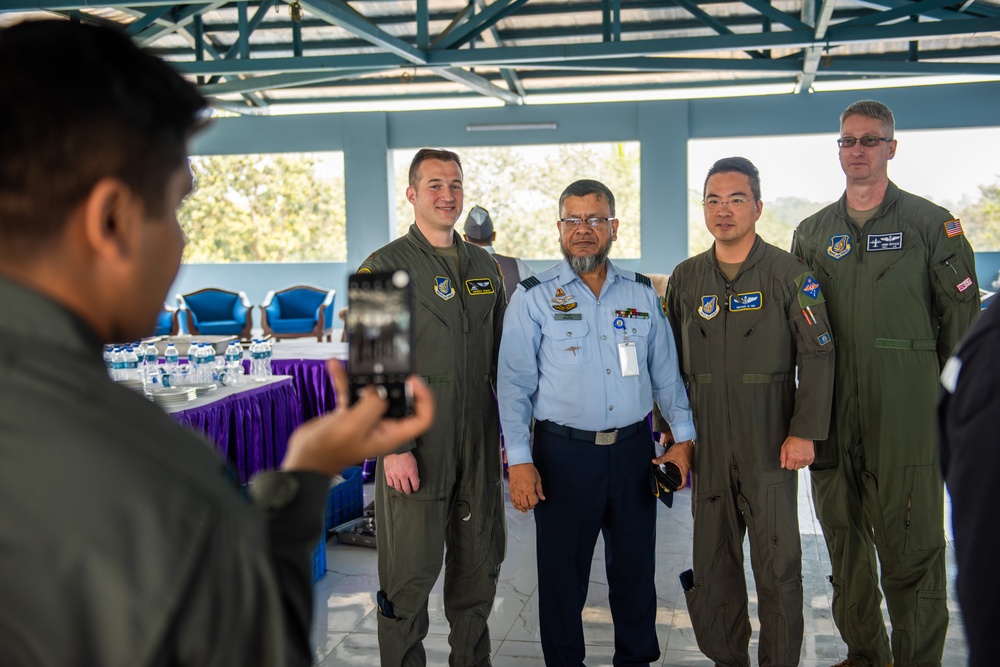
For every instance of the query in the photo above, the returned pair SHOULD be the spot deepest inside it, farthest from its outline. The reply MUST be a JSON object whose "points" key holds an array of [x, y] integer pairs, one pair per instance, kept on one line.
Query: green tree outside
{"points": [[263, 208]]}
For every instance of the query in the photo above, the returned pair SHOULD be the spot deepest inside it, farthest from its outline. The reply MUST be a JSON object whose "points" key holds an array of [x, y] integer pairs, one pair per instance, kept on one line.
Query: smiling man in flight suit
{"points": [[746, 315], [901, 282], [445, 489]]}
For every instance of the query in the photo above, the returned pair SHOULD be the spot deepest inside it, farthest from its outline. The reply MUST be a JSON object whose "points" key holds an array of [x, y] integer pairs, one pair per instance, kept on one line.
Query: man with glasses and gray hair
{"points": [[900, 278], [746, 316], [586, 350]]}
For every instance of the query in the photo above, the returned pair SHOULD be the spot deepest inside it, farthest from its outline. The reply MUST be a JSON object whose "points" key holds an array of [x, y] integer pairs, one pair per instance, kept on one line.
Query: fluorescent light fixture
{"points": [[401, 104], [507, 127], [820, 86], [659, 95]]}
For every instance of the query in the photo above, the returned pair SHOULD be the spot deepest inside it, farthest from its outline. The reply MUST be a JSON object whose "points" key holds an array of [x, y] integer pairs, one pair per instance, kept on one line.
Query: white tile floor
{"points": [[344, 631]]}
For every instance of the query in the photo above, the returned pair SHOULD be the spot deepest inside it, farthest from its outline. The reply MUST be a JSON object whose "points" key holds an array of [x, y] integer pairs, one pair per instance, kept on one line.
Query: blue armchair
{"points": [[216, 312], [167, 323], [297, 312]]}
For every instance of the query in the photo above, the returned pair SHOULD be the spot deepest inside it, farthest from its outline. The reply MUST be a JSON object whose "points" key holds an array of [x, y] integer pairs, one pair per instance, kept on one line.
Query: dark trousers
{"points": [[591, 489]]}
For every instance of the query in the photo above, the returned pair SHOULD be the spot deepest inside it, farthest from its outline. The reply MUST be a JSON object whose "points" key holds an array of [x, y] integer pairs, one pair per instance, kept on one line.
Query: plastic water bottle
{"points": [[234, 363], [117, 363], [171, 358], [266, 358], [108, 359], [131, 364], [197, 360], [151, 361], [208, 362], [257, 360]]}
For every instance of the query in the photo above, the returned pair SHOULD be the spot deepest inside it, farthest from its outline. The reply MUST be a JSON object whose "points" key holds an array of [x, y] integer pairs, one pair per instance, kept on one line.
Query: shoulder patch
{"points": [[639, 278], [528, 283], [809, 290]]}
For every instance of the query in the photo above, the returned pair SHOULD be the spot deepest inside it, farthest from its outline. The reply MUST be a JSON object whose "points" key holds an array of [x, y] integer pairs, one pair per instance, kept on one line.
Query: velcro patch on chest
{"points": [[880, 242], [745, 301], [477, 286]]}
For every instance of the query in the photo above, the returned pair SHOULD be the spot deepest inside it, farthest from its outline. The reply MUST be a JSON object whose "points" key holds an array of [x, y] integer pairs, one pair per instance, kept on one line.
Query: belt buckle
{"points": [[606, 438]]}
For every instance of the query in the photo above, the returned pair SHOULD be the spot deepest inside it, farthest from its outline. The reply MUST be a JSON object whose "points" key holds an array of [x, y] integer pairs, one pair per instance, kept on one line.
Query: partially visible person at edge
{"points": [[586, 351], [124, 542], [443, 492], [480, 231], [748, 318], [900, 282], [968, 435]]}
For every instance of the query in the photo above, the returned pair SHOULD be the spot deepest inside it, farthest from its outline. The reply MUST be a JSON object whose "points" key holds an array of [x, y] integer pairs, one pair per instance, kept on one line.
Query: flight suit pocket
{"points": [[565, 341], [710, 535], [783, 523], [923, 508], [950, 280]]}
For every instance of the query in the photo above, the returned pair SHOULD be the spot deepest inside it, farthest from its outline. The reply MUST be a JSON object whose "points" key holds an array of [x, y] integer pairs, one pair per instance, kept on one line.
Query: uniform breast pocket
{"points": [[636, 331], [565, 342]]}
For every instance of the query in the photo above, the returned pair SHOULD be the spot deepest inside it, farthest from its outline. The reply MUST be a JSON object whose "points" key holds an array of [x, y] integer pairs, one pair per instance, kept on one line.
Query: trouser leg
{"points": [[718, 600], [410, 537], [630, 551], [770, 510], [567, 522], [907, 503], [476, 539], [857, 600]]}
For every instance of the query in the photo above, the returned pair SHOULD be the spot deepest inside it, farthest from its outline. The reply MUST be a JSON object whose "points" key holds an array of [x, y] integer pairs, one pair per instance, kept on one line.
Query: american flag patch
{"points": [[953, 228]]}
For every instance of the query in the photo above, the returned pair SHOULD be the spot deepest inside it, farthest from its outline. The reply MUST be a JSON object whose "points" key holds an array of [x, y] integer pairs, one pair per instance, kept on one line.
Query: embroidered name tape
{"points": [[879, 242]]}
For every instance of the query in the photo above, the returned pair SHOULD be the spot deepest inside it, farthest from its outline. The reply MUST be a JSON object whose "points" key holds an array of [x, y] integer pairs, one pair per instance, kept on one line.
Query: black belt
{"points": [[609, 437]]}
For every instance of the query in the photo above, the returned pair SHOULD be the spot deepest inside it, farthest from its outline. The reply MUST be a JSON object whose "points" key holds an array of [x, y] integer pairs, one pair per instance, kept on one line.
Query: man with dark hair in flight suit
{"points": [[746, 316], [444, 489]]}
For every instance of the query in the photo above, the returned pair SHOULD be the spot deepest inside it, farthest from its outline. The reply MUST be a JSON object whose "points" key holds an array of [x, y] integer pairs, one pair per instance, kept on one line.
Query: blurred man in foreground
{"points": [[122, 542]]}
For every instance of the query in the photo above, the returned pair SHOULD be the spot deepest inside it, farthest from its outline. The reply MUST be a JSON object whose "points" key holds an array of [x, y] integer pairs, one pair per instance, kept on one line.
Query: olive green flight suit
{"points": [[459, 505], [901, 292], [740, 344]]}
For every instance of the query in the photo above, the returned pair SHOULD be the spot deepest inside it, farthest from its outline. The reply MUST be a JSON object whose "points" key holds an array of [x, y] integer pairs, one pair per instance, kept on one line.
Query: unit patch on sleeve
{"points": [[811, 287], [965, 284], [879, 242], [477, 286], [840, 246], [745, 301], [953, 228], [823, 338], [663, 306]]}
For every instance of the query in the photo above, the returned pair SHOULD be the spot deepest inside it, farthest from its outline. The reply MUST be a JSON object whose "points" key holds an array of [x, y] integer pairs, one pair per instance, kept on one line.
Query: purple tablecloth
{"points": [[311, 381], [250, 429]]}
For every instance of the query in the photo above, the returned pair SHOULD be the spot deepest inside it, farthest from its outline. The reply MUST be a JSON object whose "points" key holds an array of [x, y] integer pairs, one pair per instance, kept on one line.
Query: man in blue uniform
{"points": [[586, 349]]}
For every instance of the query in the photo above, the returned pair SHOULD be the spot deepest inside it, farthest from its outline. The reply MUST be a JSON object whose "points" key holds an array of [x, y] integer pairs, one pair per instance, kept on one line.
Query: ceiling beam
{"points": [[812, 54], [765, 9], [925, 7], [343, 15], [177, 21], [477, 23]]}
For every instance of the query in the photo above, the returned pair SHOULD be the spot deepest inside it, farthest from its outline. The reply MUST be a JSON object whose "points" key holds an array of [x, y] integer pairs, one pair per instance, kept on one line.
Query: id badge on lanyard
{"points": [[628, 358]]}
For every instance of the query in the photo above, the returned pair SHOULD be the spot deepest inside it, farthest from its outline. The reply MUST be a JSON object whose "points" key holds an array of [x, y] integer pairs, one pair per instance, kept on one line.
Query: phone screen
{"points": [[380, 336]]}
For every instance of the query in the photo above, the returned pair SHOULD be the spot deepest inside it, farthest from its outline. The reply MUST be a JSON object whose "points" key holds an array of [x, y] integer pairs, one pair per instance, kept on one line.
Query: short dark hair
{"points": [[431, 154], [79, 103], [871, 109], [585, 187], [739, 165]]}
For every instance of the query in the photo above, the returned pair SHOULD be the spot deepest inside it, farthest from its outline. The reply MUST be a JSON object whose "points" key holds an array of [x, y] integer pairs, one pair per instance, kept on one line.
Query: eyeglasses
{"points": [[735, 202], [575, 223], [868, 141]]}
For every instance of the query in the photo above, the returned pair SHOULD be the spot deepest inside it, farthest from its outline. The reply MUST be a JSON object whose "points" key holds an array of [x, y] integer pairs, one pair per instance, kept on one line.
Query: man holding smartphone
{"points": [[443, 490], [586, 351], [125, 541], [748, 319]]}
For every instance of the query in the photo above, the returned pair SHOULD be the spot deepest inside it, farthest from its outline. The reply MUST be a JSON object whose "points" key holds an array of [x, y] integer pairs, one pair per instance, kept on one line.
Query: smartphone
{"points": [[380, 336]]}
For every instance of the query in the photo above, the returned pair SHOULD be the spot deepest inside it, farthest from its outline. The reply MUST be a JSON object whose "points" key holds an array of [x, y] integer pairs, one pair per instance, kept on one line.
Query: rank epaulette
{"points": [[639, 278], [528, 283]]}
